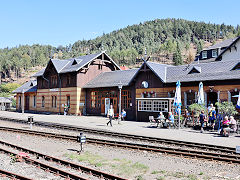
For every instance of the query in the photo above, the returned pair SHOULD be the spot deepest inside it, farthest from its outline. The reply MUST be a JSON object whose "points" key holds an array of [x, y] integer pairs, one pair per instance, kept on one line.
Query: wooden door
{"points": [[115, 105], [102, 106], [26, 103]]}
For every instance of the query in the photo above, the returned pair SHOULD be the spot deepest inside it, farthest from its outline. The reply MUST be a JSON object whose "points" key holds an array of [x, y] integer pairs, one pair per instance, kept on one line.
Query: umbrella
{"points": [[238, 102], [200, 94], [177, 97], [177, 101]]}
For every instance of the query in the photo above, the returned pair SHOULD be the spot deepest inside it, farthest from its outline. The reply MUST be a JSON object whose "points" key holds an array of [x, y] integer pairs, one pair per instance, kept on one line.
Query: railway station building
{"points": [[89, 84]]}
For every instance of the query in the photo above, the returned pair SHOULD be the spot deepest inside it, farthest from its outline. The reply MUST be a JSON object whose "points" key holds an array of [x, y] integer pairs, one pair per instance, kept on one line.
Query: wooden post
{"points": [[23, 101]]}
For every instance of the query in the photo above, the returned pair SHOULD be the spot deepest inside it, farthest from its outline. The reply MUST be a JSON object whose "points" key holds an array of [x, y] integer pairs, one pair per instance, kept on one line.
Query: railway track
{"points": [[163, 141], [225, 157], [11, 175], [57, 171]]}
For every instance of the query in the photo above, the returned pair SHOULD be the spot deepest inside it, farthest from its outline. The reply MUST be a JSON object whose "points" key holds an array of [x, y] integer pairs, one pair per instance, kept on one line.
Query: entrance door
{"points": [[26, 103], [115, 105], [212, 98], [102, 106]]}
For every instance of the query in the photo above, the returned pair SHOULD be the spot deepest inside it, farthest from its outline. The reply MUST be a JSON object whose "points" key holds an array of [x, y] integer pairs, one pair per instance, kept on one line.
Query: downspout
{"points": [[60, 93]]}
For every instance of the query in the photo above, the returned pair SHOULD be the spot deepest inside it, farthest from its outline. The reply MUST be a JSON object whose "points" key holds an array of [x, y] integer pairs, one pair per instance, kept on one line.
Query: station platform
{"points": [[131, 127]]}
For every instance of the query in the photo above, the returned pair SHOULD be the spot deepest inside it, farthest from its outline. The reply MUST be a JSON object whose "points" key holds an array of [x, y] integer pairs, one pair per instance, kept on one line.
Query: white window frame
{"points": [[153, 105], [214, 53], [204, 55], [144, 108]]}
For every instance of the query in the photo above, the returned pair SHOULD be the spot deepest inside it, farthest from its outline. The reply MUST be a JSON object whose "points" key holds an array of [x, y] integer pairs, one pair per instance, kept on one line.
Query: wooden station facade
{"points": [[89, 84]]}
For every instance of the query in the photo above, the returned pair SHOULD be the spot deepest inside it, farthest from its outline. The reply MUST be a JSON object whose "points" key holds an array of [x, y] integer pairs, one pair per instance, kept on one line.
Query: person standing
{"points": [[65, 109], [202, 119], [212, 117], [110, 115]]}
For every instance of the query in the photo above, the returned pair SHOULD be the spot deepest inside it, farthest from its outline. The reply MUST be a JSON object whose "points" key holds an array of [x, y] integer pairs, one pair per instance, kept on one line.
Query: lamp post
{"points": [[120, 101]]}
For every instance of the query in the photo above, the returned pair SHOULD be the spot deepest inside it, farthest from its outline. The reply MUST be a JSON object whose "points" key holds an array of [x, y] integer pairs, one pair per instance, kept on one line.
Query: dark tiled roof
{"points": [[224, 43], [39, 73], [112, 79], [64, 66], [30, 86], [159, 69], [219, 70]]}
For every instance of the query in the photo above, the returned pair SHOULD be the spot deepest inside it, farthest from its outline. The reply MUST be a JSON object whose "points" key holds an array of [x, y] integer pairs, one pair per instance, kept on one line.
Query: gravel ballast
{"points": [[144, 164]]}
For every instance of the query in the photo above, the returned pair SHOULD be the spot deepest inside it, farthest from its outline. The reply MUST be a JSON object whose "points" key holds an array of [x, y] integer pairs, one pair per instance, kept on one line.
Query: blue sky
{"points": [[60, 22]]}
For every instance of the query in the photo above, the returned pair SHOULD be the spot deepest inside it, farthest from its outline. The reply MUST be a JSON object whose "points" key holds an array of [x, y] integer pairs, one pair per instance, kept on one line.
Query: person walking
{"points": [[110, 115]]}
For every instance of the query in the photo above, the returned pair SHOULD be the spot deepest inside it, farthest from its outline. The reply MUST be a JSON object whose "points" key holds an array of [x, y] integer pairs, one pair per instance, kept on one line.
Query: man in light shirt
{"points": [[110, 115]]}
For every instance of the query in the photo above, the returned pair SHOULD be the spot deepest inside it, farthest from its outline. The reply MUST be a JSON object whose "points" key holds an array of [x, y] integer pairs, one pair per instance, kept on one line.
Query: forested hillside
{"points": [[164, 39]]}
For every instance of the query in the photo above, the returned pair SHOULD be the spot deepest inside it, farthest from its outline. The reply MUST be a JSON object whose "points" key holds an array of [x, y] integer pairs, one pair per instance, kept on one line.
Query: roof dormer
{"points": [[74, 62], [195, 69]]}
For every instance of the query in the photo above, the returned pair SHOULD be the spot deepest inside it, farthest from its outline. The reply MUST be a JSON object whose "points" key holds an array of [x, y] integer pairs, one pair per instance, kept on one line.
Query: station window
{"points": [[160, 106], [145, 105], [53, 81], [204, 54], [43, 101], [95, 99], [34, 101], [68, 80], [214, 53], [68, 101], [153, 105], [54, 101], [126, 99]]}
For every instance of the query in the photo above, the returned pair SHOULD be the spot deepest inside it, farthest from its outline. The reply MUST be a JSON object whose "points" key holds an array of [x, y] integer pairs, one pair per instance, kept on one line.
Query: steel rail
{"points": [[233, 158], [12, 175], [94, 172], [46, 167], [130, 136]]}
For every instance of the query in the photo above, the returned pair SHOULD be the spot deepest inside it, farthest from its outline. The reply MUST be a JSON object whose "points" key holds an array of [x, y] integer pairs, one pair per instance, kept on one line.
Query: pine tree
{"points": [[177, 56]]}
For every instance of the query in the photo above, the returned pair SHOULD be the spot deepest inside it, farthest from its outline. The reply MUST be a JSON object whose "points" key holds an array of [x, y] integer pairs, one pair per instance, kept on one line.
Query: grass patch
{"points": [[161, 178], [92, 159], [155, 172], [192, 177], [120, 166], [178, 175]]}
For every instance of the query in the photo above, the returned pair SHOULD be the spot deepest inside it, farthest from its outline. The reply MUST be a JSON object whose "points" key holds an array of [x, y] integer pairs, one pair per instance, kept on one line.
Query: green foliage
{"points": [[13, 102], [160, 37], [197, 108], [9, 87], [177, 56], [226, 108]]}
